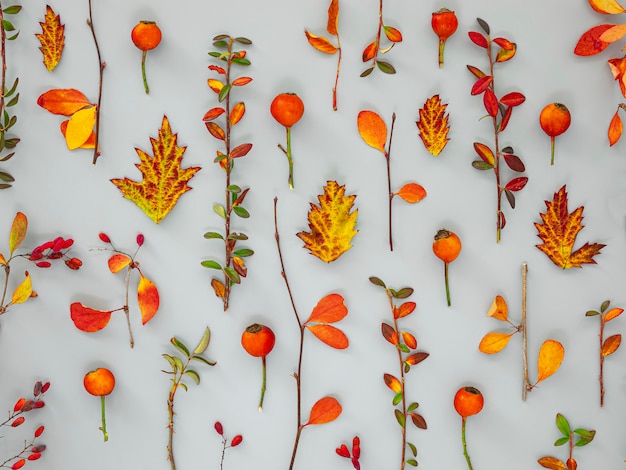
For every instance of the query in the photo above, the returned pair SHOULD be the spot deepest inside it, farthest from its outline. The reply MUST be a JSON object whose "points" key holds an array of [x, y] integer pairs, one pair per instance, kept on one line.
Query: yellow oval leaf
{"points": [[23, 291], [611, 344], [608, 7], [80, 127], [218, 288], [324, 410], [117, 262], [372, 129], [494, 342], [215, 85], [613, 313], [18, 232], [393, 383], [320, 43], [147, 298], [551, 355], [88, 144], [499, 309], [614, 33]]}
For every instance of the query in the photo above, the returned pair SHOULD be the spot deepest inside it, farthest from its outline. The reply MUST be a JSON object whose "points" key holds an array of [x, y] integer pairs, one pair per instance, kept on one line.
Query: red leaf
{"points": [[333, 337], [325, 410], [516, 183], [512, 99], [213, 113], [241, 81], [88, 319], [590, 43], [403, 310], [506, 118], [370, 51], [416, 358], [504, 43], [240, 151], [491, 102], [389, 333], [329, 310], [514, 162], [481, 84], [478, 39]]}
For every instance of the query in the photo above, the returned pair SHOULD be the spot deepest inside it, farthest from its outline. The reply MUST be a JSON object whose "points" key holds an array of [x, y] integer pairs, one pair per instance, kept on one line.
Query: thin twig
{"points": [[101, 66], [524, 329], [388, 158]]}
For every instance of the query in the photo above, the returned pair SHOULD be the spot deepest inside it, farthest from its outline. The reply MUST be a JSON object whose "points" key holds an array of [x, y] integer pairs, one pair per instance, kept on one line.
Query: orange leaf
{"points": [[404, 309], [485, 153], [613, 313], [237, 113], [22, 292], [241, 81], [550, 357], [147, 298], [373, 130], [80, 127], [325, 410], [609, 7], [117, 262], [412, 193], [64, 101], [88, 144], [3, 261], [499, 309], [52, 39], [494, 342], [558, 234], [333, 17], [320, 43], [390, 334], [164, 179], [433, 125], [330, 309], [393, 34], [551, 463], [370, 51], [615, 128], [18, 232], [614, 33], [215, 130], [416, 358], [409, 339], [333, 337], [88, 319], [218, 288], [393, 383], [590, 43], [505, 54], [611, 344], [213, 113]]}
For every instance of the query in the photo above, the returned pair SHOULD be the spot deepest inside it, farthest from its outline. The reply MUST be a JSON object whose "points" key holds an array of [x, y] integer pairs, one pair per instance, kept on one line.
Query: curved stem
{"points": [[102, 65], [143, 71], [263, 384], [445, 275], [104, 420], [463, 440]]}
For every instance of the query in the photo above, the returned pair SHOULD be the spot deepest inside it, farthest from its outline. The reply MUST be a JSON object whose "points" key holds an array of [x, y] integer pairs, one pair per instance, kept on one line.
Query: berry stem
{"points": [[445, 275], [263, 384], [551, 150], [442, 45], [143, 71], [289, 158], [104, 420], [464, 441]]}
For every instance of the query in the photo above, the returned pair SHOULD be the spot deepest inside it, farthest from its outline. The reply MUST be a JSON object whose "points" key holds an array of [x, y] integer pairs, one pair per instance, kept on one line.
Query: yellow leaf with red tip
{"points": [[80, 127], [18, 232], [409, 339], [412, 193], [607, 7], [499, 309], [551, 355], [494, 342], [330, 309], [615, 128], [23, 291], [64, 101], [372, 129], [147, 298], [320, 43], [117, 262], [325, 410], [52, 39], [333, 337], [215, 85]]}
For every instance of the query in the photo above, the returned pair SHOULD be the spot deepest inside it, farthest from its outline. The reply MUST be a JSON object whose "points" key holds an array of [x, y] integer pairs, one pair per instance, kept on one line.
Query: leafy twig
{"points": [[374, 48], [574, 438]]}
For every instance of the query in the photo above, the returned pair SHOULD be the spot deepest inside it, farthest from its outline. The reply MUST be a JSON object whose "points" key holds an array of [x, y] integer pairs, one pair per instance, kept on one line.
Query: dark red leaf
{"points": [[514, 162], [516, 183], [240, 151], [478, 39], [589, 43], [506, 118]]}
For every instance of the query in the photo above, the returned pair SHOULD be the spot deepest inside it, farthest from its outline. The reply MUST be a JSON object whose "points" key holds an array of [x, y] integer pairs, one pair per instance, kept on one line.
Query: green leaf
{"points": [[413, 448], [403, 293], [404, 348], [237, 236], [213, 235], [12, 10], [412, 462], [385, 67], [241, 212], [219, 210], [203, 360], [204, 342], [183, 386], [11, 38], [563, 425], [233, 188], [179, 364], [480, 165], [215, 54], [377, 282], [399, 417], [6, 177], [7, 157], [560, 441], [605, 305], [13, 101], [413, 406], [194, 375], [8, 26], [13, 88], [583, 441], [209, 263], [232, 275], [584, 432], [220, 43], [243, 40], [366, 72], [180, 346], [242, 253], [223, 92], [220, 156], [397, 398], [241, 61], [172, 362], [11, 143], [407, 367], [4, 186], [220, 37], [592, 313]]}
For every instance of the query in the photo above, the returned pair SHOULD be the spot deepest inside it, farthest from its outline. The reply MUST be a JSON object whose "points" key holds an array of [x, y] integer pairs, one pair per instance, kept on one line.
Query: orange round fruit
{"points": [[146, 35], [444, 23], [99, 382], [468, 401], [555, 119], [447, 245], [258, 340], [287, 109]]}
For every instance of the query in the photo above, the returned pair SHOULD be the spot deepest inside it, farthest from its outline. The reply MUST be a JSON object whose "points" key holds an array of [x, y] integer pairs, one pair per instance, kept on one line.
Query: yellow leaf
{"points": [[23, 291], [147, 298], [331, 223], [88, 144], [52, 39], [611, 344], [80, 127], [218, 288], [215, 85], [373, 130], [611, 7], [615, 33], [494, 342], [320, 43], [433, 125], [499, 309], [18, 232], [164, 181], [551, 355]]}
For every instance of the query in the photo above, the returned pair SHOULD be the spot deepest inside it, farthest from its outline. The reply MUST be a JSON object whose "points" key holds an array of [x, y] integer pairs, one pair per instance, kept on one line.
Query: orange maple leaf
{"points": [[558, 234], [52, 39], [164, 181], [331, 223], [433, 125]]}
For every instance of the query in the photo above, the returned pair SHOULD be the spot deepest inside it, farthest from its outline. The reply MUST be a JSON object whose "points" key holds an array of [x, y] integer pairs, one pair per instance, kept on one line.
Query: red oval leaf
{"points": [[481, 84], [88, 319], [513, 99], [478, 39], [615, 129], [491, 102], [516, 183], [590, 43]]}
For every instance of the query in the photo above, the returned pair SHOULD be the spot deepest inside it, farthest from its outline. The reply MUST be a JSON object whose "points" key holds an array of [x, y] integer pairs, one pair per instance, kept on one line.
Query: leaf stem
{"points": [[337, 74], [143, 71], [524, 328], [263, 384], [551, 150], [442, 45], [7, 272], [228, 243], [104, 420], [101, 66], [390, 192], [464, 441], [445, 275], [289, 157], [126, 307]]}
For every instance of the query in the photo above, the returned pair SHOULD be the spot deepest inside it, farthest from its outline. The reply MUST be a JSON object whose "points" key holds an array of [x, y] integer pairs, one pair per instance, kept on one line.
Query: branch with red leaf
{"points": [[406, 347], [498, 50], [374, 48], [330, 309], [234, 267], [90, 320]]}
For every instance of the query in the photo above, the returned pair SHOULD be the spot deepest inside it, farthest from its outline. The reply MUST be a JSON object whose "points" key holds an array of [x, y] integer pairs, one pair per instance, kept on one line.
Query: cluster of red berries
{"points": [[54, 249], [343, 451], [238, 439]]}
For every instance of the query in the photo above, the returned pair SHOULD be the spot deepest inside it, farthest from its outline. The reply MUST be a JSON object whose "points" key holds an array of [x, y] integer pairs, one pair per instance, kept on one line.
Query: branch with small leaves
{"points": [[90, 320], [373, 131], [343, 451], [551, 352], [181, 370], [330, 309], [499, 110], [235, 441], [373, 49], [408, 356], [578, 437], [609, 345], [234, 267]]}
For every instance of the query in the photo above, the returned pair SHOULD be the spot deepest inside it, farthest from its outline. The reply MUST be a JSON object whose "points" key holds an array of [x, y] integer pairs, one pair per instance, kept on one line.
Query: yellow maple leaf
{"points": [[52, 39], [331, 223], [433, 125], [164, 181], [558, 234]]}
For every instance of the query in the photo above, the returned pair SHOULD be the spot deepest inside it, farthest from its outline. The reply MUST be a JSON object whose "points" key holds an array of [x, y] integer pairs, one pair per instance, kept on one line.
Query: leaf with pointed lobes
{"points": [[373, 130], [499, 309], [412, 193], [551, 355], [551, 463], [494, 342], [147, 298], [22, 292], [18, 232], [333, 337], [590, 43], [117, 262], [333, 17], [325, 410], [433, 125], [607, 7], [64, 101], [320, 43], [89, 319], [329, 309], [404, 309], [613, 313], [614, 33], [611, 344], [615, 128], [393, 383], [52, 39]]}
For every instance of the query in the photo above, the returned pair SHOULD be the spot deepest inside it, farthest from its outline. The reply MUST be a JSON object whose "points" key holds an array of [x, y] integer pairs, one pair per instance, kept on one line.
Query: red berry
{"points": [[104, 237], [45, 387], [19, 464], [218, 428], [39, 404], [35, 456], [140, 239], [17, 421], [43, 264], [39, 431], [236, 440], [343, 451], [19, 404]]}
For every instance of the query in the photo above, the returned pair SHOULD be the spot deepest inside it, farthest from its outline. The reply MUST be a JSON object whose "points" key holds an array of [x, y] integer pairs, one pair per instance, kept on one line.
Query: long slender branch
{"points": [[601, 378], [101, 66], [390, 192], [3, 39], [7, 272], [229, 166], [524, 329], [337, 74]]}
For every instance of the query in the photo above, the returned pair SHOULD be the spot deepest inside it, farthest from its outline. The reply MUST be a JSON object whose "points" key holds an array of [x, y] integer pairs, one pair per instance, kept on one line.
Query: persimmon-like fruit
{"points": [[555, 119], [444, 23], [287, 109], [447, 245], [146, 35], [258, 340], [99, 382], [468, 401]]}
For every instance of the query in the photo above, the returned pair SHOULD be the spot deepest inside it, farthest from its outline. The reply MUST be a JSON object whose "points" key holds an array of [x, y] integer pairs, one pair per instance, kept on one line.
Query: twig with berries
{"points": [[238, 439], [90, 320], [343, 451]]}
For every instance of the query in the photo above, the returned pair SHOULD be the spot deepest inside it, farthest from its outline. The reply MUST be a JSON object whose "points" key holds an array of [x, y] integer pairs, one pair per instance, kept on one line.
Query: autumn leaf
{"points": [[52, 39], [615, 33], [89, 319], [558, 234], [607, 7], [325, 410], [328, 334], [615, 129], [551, 355], [22, 292], [499, 309], [494, 342], [404, 310], [611, 344], [331, 223], [433, 125], [164, 181], [147, 298], [80, 127], [117, 262], [320, 43], [613, 313], [218, 288], [330, 309], [551, 463], [590, 43], [393, 383], [18, 232], [333, 17], [373, 130], [64, 101], [88, 144], [412, 193]]}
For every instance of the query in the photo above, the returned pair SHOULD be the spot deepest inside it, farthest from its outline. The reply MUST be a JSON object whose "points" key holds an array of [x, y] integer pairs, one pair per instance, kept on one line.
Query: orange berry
{"points": [[555, 119], [447, 245], [146, 35], [258, 340], [99, 382], [287, 109], [468, 401], [444, 23]]}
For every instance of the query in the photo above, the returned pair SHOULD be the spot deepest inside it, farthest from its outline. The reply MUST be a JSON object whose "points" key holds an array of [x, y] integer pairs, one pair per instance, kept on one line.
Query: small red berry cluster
{"points": [[238, 439], [343, 451], [54, 249]]}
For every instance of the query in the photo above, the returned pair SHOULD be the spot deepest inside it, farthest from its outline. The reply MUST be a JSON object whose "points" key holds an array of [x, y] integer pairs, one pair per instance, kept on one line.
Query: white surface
{"points": [[62, 193]]}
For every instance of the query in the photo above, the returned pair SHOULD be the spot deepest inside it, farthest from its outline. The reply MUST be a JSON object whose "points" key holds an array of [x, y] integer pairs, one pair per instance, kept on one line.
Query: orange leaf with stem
{"points": [[412, 193], [52, 39], [330, 309], [613, 313], [611, 344], [590, 43], [147, 298], [117, 262], [64, 101], [333, 17], [390, 334], [551, 355], [89, 319], [18, 232], [80, 127], [551, 463], [333, 337], [607, 7], [213, 113], [494, 342], [499, 309], [325, 410], [237, 113], [320, 43], [615, 128], [241, 81], [404, 310], [373, 130], [409, 339], [22, 292], [433, 125]]}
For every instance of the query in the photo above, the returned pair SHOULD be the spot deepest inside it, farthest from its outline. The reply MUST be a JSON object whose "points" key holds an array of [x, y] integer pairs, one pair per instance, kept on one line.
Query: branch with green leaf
{"points": [[578, 437], [374, 48]]}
